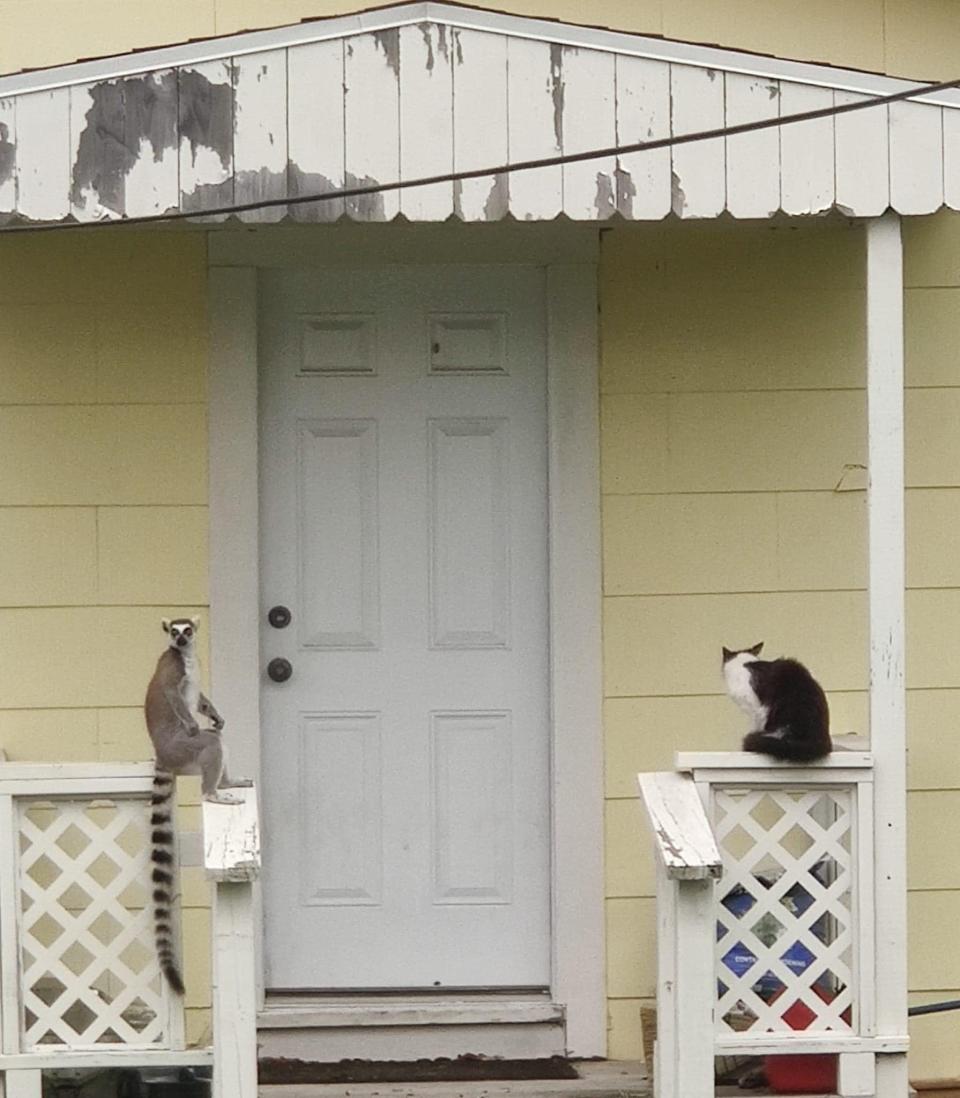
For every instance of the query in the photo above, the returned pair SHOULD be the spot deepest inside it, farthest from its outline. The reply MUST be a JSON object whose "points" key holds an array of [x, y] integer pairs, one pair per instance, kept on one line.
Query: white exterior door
{"points": [[404, 525]]}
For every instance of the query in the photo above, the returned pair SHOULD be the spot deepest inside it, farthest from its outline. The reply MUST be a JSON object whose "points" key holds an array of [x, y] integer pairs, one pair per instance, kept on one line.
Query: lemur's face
{"points": [[181, 631]]}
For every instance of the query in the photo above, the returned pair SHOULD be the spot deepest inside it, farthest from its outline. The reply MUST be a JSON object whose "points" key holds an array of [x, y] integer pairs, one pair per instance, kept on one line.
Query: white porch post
{"points": [[231, 842], [21, 1084], [234, 992], [887, 699]]}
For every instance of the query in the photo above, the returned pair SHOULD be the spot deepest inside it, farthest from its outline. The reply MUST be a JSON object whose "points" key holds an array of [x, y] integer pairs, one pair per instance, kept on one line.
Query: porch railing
{"points": [[765, 916], [79, 981]]}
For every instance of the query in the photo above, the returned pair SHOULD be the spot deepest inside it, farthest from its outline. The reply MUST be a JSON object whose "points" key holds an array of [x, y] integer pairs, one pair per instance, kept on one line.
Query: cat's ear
{"points": [[728, 655], [756, 649]]}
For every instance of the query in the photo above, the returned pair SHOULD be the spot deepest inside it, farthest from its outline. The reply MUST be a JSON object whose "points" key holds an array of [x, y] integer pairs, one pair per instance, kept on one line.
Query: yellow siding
{"points": [[631, 947], [136, 562], [792, 536], [121, 734], [50, 735], [732, 411], [51, 353], [934, 758], [933, 1040], [48, 555], [626, 1028], [102, 498], [671, 644], [733, 512]]}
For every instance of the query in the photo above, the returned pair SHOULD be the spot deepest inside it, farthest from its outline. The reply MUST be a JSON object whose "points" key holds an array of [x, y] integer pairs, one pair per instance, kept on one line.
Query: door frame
{"points": [[569, 260]]}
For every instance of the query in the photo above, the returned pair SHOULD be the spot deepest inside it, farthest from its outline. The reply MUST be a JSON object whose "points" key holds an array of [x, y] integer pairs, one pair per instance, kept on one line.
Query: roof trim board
{"points": [[468, 18]]}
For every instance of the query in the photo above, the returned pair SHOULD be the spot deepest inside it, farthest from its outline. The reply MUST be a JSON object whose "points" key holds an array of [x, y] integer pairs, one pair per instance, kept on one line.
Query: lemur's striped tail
{"points": [[162, 855]]}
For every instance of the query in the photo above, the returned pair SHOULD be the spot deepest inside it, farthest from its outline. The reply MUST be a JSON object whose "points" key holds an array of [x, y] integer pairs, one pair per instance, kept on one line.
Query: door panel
{"points": [[403, 522]]}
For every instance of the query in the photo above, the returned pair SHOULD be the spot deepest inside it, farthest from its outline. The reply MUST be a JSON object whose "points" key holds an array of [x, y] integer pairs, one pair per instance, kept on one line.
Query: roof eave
{"points": [[468, 18]]}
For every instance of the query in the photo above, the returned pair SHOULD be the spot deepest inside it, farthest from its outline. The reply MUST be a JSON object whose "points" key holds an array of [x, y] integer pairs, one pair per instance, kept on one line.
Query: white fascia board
{"points": [[683, 53], [495, 22], [213, 49]]}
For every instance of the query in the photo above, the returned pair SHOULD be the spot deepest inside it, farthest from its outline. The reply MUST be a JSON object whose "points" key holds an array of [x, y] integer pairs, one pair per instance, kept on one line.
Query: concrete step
{"points": [[597, 1079]]}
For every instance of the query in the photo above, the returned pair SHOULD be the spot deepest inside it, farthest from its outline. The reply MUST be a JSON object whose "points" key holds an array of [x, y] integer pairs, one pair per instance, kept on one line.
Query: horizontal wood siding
{"points": [[103, 518]]}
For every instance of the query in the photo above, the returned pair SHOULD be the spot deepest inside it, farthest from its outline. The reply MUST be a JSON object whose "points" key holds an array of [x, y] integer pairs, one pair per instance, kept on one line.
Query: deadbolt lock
{"points": [[279, 617]]}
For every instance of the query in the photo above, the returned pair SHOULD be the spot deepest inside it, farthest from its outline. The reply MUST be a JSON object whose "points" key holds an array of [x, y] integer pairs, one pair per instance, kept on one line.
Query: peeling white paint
{"points": [[426, 96], [315, 124], [372, 122], [426, 122], [260, 132], [153, 182], [753, 159], [480, 132], [8, 156], [231, 838], [205, 125]]}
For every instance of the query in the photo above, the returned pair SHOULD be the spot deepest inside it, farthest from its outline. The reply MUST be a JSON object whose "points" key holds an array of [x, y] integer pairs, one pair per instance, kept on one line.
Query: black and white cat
{"points": [[786, 705]]}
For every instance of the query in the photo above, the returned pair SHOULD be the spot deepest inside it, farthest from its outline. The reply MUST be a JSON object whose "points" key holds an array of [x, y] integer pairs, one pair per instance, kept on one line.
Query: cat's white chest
{"points": [[740, 689]]}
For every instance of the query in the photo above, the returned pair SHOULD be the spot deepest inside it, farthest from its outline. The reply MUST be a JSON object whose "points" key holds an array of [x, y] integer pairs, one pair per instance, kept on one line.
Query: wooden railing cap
{"points": [[839, 759], [680, 826], [231, 838]]}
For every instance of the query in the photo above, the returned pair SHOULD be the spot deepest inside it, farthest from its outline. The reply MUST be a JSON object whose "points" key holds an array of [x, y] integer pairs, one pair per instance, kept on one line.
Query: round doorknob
{"points": [[279, 669], [279, 617]]}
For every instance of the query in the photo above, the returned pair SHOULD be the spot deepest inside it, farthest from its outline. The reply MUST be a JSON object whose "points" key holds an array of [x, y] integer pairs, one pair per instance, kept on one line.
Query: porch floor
{"points": [[603, 1079]]}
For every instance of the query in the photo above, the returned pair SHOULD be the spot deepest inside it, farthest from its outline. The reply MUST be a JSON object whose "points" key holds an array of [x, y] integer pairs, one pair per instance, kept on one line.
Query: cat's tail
{"points": [[162, 856], [783, 744]]}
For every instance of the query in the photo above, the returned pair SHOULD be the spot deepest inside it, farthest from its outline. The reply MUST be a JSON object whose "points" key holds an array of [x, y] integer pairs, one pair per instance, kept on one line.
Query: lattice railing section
{"points": [[79, 981], [88, 967], [766, 919], [785, 909]]}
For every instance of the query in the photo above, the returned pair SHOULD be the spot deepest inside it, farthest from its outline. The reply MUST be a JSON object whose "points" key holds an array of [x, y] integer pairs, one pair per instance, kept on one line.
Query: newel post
{"points": [[885, 498], [231, 839], [688, 866]]}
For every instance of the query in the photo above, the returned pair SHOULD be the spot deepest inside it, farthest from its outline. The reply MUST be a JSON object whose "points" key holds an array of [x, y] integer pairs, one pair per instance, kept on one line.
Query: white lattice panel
{"points": [[89, 972], [785, 909]]}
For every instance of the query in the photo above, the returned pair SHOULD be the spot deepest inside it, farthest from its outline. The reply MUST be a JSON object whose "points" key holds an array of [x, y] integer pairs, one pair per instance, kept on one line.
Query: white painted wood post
{"points": [[688, 865], [234, 992], [686, 979], [887, 697], [234, 515], [25, 1083], [10, 990], [235, 523], [857, 1075], [22, 1083], [696, 988], [231, 845], [576, 674], [665, 1049]]}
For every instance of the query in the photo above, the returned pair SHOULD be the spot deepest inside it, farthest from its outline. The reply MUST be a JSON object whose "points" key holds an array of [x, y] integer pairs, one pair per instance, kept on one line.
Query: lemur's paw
{"points": [[222, 798]]}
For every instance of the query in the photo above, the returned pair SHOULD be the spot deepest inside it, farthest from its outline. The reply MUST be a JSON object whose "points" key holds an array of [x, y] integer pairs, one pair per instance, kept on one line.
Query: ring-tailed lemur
{"points": [[173, 708]]}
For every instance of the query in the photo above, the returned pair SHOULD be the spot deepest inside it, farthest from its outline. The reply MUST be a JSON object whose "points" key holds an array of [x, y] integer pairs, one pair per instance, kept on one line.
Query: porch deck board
{"points": [[598, 1079]]}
